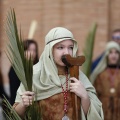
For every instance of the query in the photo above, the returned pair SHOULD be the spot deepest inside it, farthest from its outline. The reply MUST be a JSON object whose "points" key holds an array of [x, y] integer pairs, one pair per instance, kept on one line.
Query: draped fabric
{"points": [[45, 74]]}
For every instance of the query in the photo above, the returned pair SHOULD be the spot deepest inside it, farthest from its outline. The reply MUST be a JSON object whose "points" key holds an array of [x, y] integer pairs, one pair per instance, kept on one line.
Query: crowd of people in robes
{"points": [[51, 78]]}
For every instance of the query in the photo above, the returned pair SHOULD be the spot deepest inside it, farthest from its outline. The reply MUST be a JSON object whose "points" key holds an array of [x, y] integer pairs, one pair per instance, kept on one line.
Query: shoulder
{"points": [[87, 84], [83, 77], [103, 73], [36, 68]]}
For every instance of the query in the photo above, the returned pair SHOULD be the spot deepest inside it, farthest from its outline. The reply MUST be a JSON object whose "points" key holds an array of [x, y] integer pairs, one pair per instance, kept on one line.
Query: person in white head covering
{"points": [[51, 80], [106, 79]]}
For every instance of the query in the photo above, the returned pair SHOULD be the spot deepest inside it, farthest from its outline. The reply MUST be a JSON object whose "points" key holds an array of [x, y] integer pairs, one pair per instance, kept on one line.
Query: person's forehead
{"points": [[116, 33], [113, 49]]}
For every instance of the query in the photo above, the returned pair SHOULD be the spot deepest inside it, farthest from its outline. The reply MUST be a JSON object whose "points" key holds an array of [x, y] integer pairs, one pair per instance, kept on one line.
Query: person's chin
{"points": [[63, 65], [114, 63]]}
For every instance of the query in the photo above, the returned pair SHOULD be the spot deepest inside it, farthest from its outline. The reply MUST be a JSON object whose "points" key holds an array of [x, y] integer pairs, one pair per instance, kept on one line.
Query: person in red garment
{"points": [[51, 80], [106, 79]]}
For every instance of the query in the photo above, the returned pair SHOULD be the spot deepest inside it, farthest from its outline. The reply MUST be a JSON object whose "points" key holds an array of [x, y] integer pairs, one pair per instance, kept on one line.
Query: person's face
{"points": [[113, 56], [116, 37], [60, 49], [31, 51]]}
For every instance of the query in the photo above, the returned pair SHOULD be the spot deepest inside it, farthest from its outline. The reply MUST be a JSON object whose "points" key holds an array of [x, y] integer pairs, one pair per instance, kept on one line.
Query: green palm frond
{"points": [[32, 112], [23, 68], [88, 51], [15, 52], [9, 112]]}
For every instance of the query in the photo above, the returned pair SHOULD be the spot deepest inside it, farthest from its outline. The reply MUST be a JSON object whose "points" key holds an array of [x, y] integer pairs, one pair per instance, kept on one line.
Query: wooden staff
{"points": [[73, 64]]}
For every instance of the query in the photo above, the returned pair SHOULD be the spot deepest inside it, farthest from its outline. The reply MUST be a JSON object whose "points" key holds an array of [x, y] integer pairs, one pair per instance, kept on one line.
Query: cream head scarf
{"points": [[103, 62], [45, 74]]}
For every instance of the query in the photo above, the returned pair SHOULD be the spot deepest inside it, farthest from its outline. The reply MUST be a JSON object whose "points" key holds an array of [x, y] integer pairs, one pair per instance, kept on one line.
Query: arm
{"points": [[20, 109], [85, 101], [78, 88], [95, 111], [27, 98]]}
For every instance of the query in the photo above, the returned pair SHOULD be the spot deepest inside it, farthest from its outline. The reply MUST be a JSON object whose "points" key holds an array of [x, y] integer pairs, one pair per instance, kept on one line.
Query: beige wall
{"points": [[76, 15]]}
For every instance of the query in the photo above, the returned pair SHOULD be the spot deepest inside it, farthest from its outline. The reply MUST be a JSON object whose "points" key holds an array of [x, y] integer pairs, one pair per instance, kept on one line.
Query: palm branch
{"points": [[23, 68], [32, 113], [9, 112], [88, 51], [15, 52]]}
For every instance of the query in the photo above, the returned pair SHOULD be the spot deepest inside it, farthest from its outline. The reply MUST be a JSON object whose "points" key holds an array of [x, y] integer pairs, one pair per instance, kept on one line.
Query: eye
{"points": [[71, 47], [60, 47]]}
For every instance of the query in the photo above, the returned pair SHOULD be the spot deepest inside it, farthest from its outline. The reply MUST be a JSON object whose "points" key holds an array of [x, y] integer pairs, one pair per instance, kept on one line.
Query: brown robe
{"points": [[109, 78], [52, 107]]}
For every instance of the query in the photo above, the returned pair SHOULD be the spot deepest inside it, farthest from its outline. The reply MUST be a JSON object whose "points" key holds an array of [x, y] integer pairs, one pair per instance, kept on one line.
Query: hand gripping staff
{"points": [[73, 65]]}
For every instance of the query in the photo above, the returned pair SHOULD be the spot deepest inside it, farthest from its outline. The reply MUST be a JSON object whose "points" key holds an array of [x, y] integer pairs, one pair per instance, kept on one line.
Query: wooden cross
{"points": [[73, 64]]}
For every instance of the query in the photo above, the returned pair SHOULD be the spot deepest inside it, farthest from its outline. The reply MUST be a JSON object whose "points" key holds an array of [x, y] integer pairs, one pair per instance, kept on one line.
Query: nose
{"points": [[66, 51], [31, 52]]}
